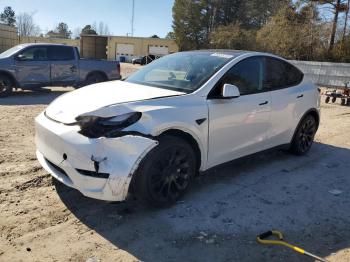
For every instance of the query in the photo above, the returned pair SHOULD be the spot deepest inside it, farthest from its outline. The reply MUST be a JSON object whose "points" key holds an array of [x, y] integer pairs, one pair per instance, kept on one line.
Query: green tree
{"points": [[233, 36], [8, 16], [288, 34], [338, 6], [187, 24], [87, 30], [258, 12], [154, 36], [170, 35], [63, 30], [194, 21]]}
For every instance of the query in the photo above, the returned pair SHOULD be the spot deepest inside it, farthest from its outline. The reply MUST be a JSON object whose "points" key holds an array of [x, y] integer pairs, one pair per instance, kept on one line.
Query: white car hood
{"points": [[91, 98]]}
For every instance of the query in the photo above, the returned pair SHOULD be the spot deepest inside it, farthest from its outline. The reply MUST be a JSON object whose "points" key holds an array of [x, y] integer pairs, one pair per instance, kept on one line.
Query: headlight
{"points": [[95, 127]]}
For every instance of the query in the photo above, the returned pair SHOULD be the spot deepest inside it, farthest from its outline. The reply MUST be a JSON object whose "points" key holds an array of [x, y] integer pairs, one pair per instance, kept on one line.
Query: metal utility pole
{"points": [[132, 17]]}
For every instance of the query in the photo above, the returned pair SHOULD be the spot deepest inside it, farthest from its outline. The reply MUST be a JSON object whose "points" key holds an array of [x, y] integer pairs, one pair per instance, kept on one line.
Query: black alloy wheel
{"points": [[6, 85], [166, 172], [304, 136]]}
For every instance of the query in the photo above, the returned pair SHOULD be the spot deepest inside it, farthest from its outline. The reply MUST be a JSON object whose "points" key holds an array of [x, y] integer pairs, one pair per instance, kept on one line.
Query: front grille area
{"points": [[57, 168], [80, 171], [93, 173]]}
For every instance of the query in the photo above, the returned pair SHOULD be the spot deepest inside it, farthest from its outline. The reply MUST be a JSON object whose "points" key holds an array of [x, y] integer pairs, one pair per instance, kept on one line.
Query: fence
{"points": [[8, 37], [324, 73]]}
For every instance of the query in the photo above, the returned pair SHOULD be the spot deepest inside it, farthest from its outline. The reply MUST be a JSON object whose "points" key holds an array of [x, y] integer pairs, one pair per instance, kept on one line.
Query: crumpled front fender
{"points": [[123, 156]]}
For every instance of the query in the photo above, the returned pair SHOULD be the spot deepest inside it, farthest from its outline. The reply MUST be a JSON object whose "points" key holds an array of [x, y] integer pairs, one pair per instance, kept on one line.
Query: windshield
{"points": [[11, 51], [184, 71]]}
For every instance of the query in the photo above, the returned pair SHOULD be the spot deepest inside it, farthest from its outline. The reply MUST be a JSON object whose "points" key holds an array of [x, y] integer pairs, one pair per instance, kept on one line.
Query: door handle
{"points": [[300, 96], [265, 103], [73, 68]]}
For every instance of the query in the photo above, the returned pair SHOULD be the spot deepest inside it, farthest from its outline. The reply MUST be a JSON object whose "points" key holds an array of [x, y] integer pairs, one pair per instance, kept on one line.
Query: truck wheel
{"points": [[334, 99], [94, 78], [6, 85], [348, 102], [304, 136], [165, 174], [343, 100], [327, 99]]}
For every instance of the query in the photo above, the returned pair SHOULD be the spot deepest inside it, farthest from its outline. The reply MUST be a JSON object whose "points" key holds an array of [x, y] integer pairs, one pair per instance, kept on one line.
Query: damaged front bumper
{"points": [[100, 168]]}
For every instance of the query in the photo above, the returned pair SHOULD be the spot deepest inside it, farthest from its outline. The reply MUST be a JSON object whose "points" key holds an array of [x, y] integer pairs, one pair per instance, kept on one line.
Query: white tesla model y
{"points": [[189, 111]]}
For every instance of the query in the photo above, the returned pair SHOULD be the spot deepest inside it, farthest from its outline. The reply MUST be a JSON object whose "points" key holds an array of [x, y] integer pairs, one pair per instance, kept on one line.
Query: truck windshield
{"points": [[11, 51], [184, 71]]}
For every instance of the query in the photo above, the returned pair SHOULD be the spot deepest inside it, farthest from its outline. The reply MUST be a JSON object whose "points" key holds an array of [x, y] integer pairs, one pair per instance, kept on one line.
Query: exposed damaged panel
{"points": [[115, 158]]}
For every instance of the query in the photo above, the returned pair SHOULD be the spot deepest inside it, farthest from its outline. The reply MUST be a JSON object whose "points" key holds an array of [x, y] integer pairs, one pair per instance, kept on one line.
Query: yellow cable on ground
{"points": [[262, 240]]}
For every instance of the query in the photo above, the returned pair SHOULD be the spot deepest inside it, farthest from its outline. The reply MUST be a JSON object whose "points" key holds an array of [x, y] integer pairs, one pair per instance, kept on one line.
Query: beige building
{"points": [[129, 47], [124, 48]]}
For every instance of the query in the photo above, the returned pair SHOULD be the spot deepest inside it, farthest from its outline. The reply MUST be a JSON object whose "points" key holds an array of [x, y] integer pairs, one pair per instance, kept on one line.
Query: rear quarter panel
{"points": [[289, 105], [109, 68]]}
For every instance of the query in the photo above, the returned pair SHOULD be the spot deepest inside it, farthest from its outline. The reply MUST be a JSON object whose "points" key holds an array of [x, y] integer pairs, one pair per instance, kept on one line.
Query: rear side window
{"points": [[247, 75], [280, 74], [61, 53]]}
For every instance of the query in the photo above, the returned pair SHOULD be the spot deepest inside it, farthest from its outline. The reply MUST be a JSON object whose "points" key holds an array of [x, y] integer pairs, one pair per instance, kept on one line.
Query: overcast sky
{"points": [[151, 16]]}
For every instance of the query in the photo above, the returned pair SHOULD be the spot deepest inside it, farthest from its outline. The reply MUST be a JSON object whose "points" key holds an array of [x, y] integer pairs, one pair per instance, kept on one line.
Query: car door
{"points": [[239, 126], [64, 65], [287, 94], [32, 67]]}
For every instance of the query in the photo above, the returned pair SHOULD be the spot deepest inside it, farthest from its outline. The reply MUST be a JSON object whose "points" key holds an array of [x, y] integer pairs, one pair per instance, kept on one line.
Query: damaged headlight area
{"points": [[95, 127]]}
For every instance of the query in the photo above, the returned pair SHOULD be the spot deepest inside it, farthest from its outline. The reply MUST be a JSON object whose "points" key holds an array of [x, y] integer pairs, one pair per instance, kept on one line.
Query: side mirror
{"points": [[20, 57], [230, 91]]}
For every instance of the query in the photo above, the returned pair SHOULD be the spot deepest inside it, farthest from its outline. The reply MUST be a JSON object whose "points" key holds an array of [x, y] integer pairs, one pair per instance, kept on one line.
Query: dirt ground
{"points": [[308, 198]]}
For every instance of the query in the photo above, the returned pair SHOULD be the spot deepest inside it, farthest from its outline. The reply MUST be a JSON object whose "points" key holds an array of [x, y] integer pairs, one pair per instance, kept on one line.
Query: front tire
{"points": [[166, 173], [6, 85], [304, 136]]}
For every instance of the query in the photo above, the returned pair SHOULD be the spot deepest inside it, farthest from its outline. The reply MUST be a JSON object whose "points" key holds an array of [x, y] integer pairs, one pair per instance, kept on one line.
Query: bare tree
{"points": [[103, 29], [26, 26], [94, 27], [76, 33]]}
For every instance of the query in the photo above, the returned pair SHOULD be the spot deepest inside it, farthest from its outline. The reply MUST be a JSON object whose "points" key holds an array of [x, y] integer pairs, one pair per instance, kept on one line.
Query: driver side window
{"points": [[247, 75], [38, 53]]}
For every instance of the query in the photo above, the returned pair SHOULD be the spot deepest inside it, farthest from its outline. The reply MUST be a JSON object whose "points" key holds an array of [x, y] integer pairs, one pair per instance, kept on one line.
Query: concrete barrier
{"points": [[324, 73]]}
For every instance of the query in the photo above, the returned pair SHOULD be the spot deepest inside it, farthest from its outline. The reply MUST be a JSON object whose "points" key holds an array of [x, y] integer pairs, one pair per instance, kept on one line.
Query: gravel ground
{"points": [[42, 220]]}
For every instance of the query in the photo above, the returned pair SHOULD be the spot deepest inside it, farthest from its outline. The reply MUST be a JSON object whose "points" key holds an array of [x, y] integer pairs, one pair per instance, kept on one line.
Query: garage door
{"points": [[125, 49], [158, 50]]}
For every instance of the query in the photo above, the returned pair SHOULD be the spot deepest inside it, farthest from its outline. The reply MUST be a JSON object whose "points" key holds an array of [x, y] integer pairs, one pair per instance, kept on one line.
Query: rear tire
{"points": [[327, 99], [166, 173], [304, 136], [6, 85], [94, 78], [334, 99]]}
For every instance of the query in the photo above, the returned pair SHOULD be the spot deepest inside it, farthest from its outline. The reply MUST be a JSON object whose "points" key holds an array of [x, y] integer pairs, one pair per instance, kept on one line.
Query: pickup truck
{"points": [[33, 66]]}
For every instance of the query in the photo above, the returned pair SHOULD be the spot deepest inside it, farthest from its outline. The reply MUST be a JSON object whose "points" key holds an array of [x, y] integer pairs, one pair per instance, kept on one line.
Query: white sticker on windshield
{"points": [[222, 55]]}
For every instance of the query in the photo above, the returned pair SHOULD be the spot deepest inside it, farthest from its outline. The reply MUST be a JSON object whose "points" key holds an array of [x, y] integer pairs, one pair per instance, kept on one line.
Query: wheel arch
{"points": [[313, 112], [6, 73], [190, 139], [97, 72]]}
